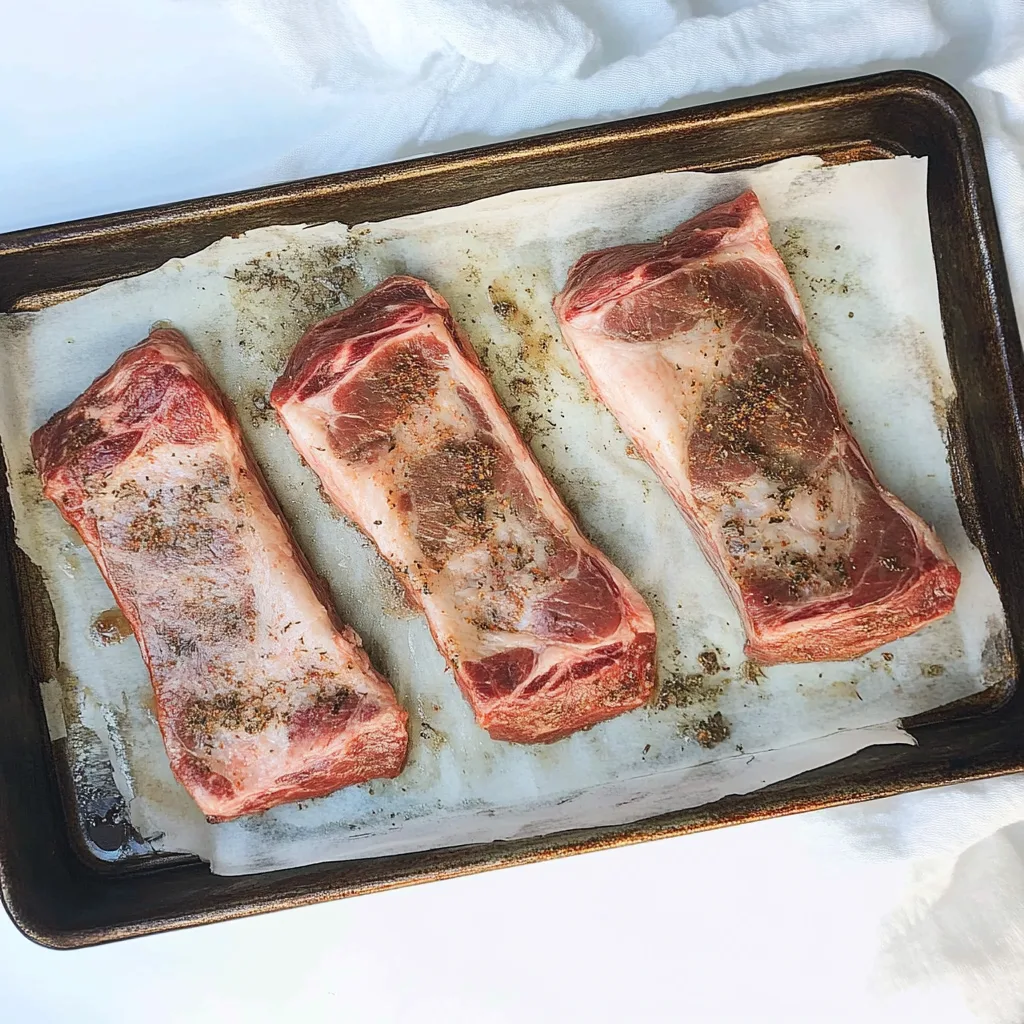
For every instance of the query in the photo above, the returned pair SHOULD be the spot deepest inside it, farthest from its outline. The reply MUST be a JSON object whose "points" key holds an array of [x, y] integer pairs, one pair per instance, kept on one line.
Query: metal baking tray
{"points": [[73, 873]]}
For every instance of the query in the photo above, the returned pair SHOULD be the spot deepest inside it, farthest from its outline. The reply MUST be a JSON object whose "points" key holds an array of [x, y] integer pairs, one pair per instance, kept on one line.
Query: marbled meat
{"points": [[262, 695], [698, 345], [388, 404]]}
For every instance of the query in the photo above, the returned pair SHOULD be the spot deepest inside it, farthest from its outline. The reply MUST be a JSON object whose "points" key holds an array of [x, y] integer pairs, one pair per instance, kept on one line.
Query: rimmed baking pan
{"points": [[72, 873]]}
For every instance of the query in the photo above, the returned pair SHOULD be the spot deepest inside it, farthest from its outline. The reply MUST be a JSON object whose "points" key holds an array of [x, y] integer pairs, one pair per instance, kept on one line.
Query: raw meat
{"points": [[261, 695], [388, 404], [698, 345]]}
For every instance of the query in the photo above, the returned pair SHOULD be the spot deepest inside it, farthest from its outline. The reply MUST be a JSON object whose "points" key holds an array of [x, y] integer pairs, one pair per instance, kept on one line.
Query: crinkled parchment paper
{"points": [[857, 242]]}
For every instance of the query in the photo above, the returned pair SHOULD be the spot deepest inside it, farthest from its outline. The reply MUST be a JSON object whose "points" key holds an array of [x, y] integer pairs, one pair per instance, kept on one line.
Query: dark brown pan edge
{"points": [[62, 899]]}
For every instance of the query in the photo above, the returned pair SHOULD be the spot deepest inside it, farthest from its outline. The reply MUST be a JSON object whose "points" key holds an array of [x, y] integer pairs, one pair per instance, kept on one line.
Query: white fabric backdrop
{"points": [[905, 909]]}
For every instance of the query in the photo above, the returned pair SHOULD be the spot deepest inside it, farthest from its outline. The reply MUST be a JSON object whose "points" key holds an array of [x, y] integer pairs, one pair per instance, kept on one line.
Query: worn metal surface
{"points": [[58, 881]]}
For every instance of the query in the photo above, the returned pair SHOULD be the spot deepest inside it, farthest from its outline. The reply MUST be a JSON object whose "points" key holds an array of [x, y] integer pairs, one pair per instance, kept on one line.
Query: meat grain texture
{"points": [[698, 345], [261, 695], [388, 404]]}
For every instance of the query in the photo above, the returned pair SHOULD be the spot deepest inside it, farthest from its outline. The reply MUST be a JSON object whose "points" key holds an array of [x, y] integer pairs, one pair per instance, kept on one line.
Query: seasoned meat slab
{"points": [[388, 404], [698, 345], [261, 695]]}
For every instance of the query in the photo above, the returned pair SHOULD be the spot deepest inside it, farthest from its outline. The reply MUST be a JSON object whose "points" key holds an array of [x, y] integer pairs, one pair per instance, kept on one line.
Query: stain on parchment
{"points": [[15, 331], [816, 263], [845, 688], [433, 738], [751, 672], [829, 692], [915, 348], [710, 662], [280, 293], [819, 266], [522, 387], [333, 510], [685, 690], [538, 348], [109, 627], [711, 731], [692, 698], [259, 408], [389, 592], [314, 280], [809, 183]]}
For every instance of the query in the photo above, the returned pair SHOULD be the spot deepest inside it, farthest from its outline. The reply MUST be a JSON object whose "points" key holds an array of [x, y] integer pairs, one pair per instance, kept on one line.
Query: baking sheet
{"points": [[855, 237]]}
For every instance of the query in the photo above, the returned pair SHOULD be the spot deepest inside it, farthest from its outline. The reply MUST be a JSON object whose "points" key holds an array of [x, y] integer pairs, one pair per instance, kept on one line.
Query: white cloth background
{"points": [[905, 909]]}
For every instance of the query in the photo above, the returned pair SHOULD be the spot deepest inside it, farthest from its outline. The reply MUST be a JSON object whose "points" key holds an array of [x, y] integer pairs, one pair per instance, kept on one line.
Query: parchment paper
{"points": [[855, 238]]}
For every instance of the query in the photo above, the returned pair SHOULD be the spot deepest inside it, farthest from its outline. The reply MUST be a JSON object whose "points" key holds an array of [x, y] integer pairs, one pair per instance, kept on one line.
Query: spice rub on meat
{"points": [[698, 345], [388, 404], [261, 695]]}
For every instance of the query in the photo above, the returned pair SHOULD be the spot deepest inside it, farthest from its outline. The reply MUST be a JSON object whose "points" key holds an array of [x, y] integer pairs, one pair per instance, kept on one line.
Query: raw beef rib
{"points": [[388, 404], [699, 347], [262, 696]]}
